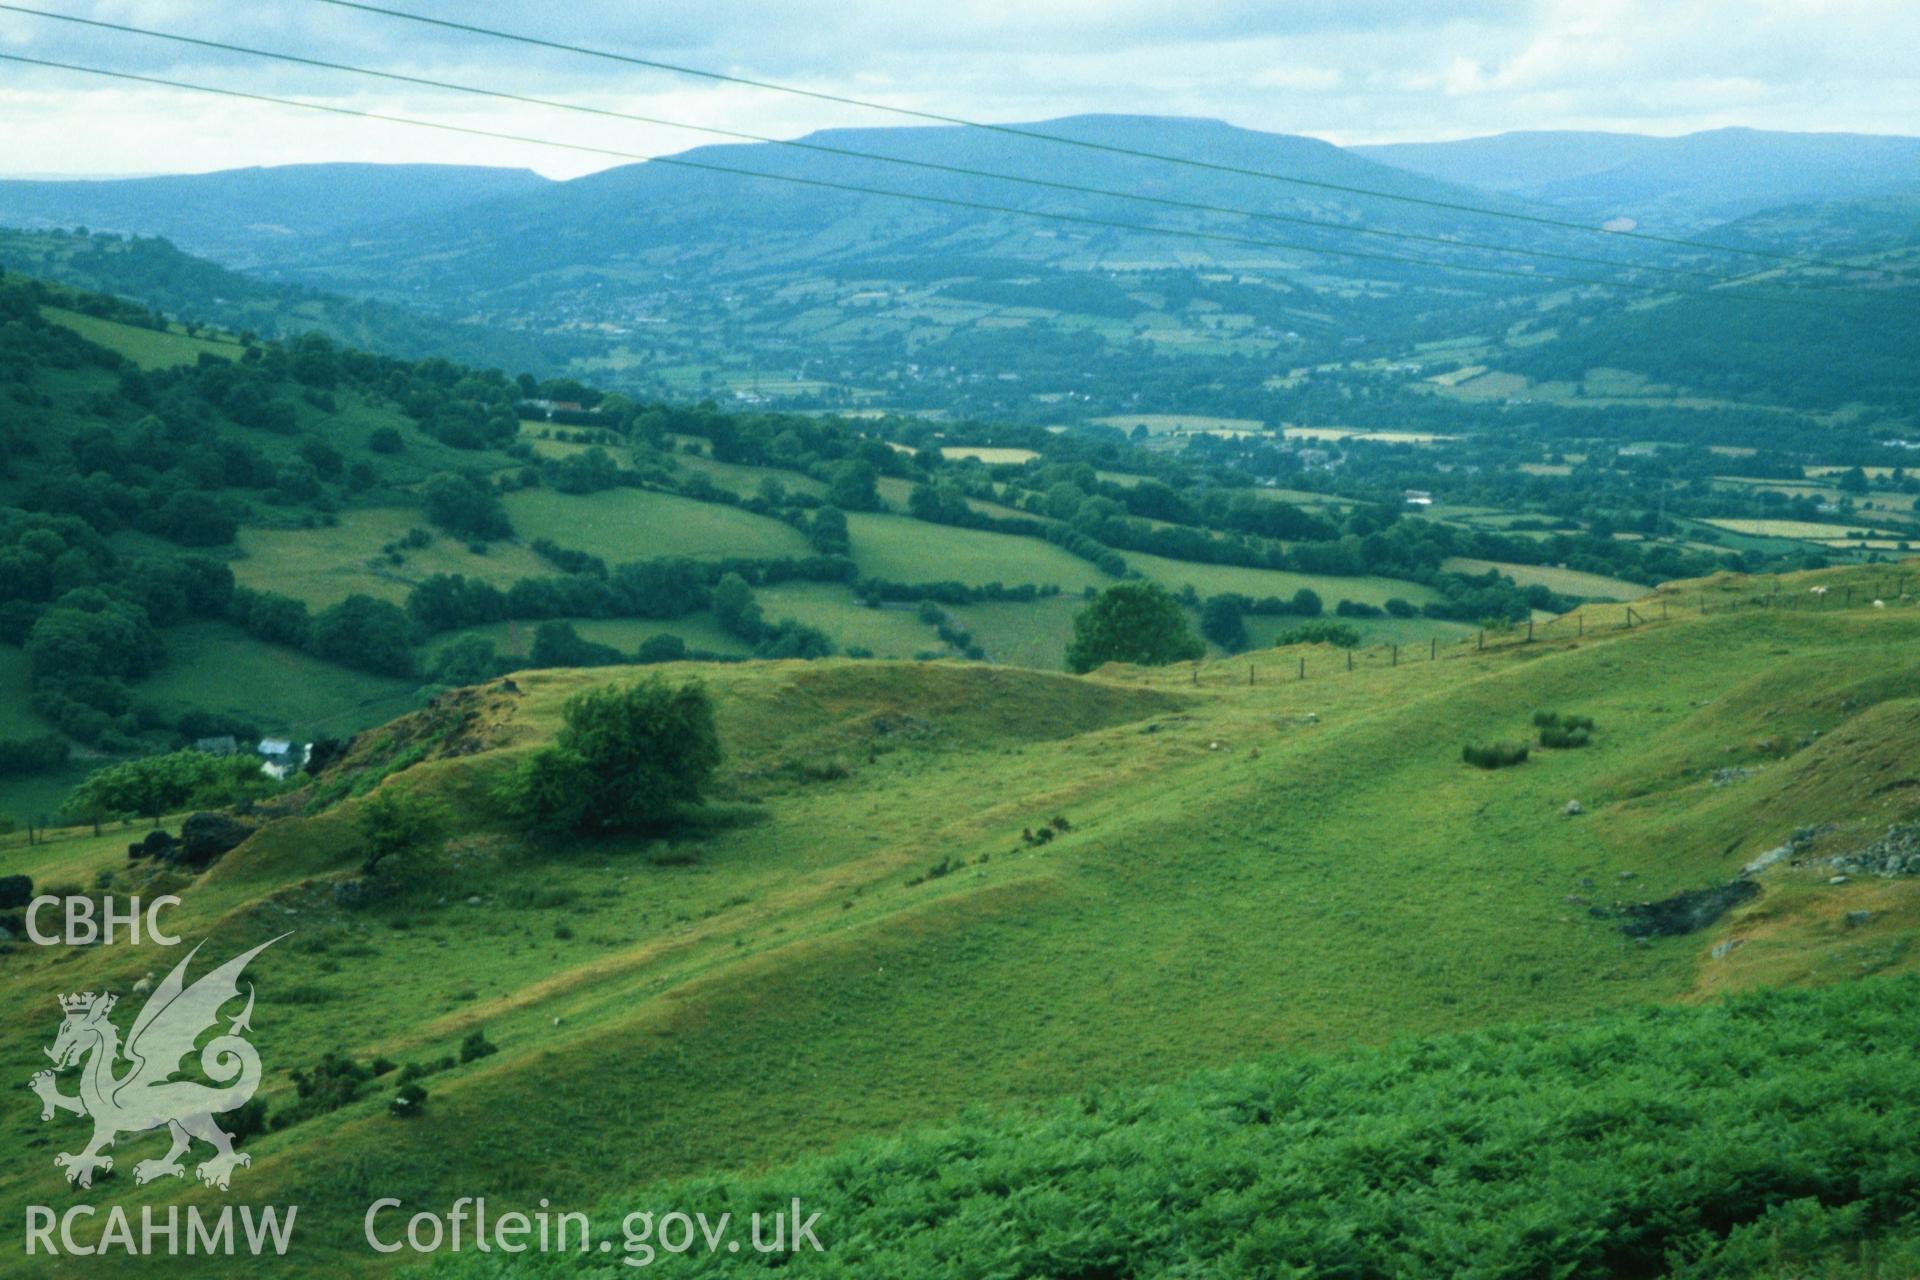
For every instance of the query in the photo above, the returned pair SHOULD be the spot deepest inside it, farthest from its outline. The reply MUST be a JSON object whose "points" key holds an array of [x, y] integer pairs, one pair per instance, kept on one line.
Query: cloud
{"points": [[1347, 70]]}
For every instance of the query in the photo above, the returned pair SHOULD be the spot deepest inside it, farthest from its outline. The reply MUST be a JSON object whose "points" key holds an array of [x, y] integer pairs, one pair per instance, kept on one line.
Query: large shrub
{"points": [[1132, 622], [1494, 755], [1563, 731], [626, 759]]}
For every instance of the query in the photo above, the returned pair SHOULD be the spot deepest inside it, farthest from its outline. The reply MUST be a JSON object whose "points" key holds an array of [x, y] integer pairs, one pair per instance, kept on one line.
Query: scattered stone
{"points": [[1586, 882], [15, 891], [1837, 879], [1896, 853], [1799, 842], [1576, 900], [476, 901], [1721, 950], [1727, 777], [143, 986], [1573, 809], [1311, 718], [1686, 912], [1854, 919], [1628, 875]]}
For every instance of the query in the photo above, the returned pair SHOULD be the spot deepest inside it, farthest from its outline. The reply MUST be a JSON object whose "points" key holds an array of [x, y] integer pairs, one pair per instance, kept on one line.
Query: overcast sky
{"points": [[1346, 70]]}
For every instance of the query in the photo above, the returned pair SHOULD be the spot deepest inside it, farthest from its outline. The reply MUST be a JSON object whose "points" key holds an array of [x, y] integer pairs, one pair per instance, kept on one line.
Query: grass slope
{"points": [[1288, 866]]}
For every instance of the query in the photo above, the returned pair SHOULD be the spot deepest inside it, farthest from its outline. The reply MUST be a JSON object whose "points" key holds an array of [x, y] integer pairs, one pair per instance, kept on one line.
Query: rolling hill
{"points": [[1687, 182], [847, 942], [253, 217]]}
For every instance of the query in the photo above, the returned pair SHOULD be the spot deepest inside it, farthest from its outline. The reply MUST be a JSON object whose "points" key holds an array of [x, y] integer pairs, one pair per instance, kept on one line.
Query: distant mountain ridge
{"points": [[243, 217], [1691, 180]]}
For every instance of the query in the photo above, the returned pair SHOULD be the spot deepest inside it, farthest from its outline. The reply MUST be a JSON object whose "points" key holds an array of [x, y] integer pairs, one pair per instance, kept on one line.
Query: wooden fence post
{"points": [[1349, 659], [1433, 649], [1303, 667], [1481, 641], [1529, 628], [1249, 673], [1396, 657]]}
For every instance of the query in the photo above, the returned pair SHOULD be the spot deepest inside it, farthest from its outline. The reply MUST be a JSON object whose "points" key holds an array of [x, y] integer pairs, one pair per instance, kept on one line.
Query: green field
{"points": [[148, 348], [215, 667], [636, 524], [1023, 635], [1566, 582], [892, 632], [515, 639], [902, 549], [1216, 579], [325, 565], [1239, 878]]}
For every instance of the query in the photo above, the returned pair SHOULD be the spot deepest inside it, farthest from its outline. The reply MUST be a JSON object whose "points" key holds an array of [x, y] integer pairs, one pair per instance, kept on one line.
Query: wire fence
{"points": [[1876, 591]]}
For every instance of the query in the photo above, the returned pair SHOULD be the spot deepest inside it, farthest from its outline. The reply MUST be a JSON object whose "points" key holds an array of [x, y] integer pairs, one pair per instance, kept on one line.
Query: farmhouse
{"points": [[1419, 498], [279, 757]]}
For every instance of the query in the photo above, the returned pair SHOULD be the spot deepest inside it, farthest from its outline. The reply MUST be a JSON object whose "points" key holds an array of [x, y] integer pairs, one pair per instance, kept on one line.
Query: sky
{"points": [[1349, 71]]}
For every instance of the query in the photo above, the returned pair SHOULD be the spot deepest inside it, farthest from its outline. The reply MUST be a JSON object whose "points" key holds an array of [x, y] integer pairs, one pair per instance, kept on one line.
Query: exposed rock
{"points": [[1726, 777], [1854, 919], [1573, 809], [143, 986], [1721, 950], [1838, 879], [1628, 875], [1799, 842], [15, 891], [1897, 853], [1686, 912], [206, 836]]}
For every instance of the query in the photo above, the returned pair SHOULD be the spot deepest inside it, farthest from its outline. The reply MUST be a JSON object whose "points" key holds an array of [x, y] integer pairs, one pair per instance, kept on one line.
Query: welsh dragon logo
{"points": [[146, 1096]]}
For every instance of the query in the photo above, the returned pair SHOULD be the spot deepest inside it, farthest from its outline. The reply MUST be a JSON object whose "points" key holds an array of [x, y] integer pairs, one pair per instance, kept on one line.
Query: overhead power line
{"points": [[1190, 206], [944, 201], [1039, 135]]}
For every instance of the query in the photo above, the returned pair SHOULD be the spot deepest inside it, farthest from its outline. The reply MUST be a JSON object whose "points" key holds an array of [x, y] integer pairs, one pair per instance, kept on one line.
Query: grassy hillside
{"points": [[855, 936]]}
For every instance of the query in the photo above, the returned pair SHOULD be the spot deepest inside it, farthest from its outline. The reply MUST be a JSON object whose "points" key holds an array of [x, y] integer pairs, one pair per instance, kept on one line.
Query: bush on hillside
{"points": [[1132, 622], [395, 823], [1563, 732], [626, 759], [1494, 755]]}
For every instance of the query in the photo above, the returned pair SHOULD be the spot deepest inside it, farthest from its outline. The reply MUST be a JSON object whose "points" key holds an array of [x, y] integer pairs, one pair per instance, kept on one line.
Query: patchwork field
{"points": [[325, 565], [1804, 530], [1216, 579], [287, 693], [637, 524], [1566, 582], [148, 348], [901, 549]]}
